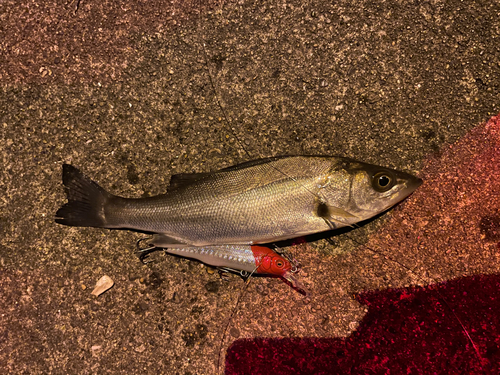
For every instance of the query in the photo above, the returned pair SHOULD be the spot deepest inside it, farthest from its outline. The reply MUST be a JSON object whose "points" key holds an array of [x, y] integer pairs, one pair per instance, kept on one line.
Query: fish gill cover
{"points": [[449, 231]]}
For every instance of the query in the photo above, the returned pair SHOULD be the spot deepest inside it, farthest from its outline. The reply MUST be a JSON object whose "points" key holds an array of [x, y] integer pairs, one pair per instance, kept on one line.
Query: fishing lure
{"points": [[245, 260]]}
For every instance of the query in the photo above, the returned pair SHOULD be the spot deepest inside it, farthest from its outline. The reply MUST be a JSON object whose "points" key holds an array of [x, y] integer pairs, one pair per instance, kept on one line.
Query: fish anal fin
{"points": [[162, 240]]}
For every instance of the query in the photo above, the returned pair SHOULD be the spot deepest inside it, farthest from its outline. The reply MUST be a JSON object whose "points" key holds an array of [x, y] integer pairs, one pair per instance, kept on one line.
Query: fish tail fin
{"points": [[86, 200]]}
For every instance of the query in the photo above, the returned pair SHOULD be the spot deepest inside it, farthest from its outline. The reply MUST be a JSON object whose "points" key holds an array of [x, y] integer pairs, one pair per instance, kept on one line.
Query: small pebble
{"points": [[235, 332], [103, 285], [212, 286], [175, 298], [259, 288]]}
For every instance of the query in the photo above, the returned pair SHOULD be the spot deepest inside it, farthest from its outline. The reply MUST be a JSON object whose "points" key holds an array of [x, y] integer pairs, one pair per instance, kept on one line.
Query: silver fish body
{"points": [[262, 201]]}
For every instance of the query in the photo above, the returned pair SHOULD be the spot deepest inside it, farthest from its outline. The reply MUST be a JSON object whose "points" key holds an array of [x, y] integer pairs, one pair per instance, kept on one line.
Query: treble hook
{"points": [[143, 252], [287, 254], [223, 270]]}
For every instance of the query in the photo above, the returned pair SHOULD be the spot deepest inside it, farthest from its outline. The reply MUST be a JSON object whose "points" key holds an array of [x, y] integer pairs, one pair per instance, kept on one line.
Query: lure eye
{"points": [[383, 181]]}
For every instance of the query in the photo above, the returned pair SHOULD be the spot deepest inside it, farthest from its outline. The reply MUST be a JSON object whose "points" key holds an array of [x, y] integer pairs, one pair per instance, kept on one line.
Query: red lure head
{"points": [[270, 263]]}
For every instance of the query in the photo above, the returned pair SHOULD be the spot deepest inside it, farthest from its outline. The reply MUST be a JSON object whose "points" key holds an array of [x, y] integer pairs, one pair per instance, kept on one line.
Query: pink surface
{"points": [[449, 233]]}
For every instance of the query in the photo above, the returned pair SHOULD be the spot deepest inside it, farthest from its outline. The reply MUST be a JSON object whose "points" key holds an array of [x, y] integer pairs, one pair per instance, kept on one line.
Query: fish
{"points": [[257, 202], [244, 259]]}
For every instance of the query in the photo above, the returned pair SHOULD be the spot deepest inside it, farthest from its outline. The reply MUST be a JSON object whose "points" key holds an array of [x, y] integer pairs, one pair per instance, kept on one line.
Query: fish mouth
{"points": [[412, 184]]}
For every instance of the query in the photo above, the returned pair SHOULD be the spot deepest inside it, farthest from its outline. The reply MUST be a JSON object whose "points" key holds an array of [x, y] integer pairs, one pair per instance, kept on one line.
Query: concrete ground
{"points": [[134, 92]]}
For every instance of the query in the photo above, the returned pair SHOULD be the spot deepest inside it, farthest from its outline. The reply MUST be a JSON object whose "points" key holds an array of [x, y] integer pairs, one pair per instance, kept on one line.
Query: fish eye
{"points": [[280, 263], [382, 181]]}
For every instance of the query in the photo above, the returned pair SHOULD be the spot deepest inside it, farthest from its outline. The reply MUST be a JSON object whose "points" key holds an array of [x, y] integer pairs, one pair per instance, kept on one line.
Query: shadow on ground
{"points": [[453, 327]]}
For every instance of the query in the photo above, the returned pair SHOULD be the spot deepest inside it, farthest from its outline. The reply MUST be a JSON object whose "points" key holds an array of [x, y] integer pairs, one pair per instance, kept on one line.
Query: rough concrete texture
{"points": [[406, 331], [133, 93], [444, 236]]}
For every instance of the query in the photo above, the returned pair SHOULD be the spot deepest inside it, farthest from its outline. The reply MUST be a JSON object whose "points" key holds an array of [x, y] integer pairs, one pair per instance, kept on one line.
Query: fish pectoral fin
{"points": [[333, 216], [329, 212], [162, 240], [335, 211], [334, 224]]}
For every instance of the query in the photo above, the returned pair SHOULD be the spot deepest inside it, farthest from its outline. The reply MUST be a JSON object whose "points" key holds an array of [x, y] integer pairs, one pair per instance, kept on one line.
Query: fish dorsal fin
{"points": [[252, 163], [182, 180]]}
